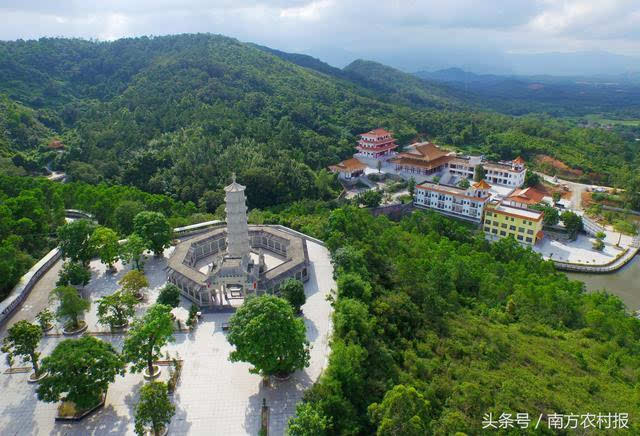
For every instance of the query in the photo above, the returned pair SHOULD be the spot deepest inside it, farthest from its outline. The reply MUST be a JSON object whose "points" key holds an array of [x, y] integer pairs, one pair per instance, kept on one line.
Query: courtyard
{"points": [[213, 396], [581, 251]]}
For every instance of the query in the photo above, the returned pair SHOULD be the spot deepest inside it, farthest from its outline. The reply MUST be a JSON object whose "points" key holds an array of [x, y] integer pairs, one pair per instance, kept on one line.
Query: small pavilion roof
{"points": [[348, 166], [481, 185]]}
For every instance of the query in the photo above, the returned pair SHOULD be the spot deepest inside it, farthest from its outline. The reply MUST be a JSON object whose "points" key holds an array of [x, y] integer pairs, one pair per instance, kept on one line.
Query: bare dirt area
{"points": [[548, 190], [562, 169]]}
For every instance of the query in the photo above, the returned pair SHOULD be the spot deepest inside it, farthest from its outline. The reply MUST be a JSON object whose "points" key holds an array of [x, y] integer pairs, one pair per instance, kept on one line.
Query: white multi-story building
{"points": [[510, 173], [464, 166], [451, 200]]}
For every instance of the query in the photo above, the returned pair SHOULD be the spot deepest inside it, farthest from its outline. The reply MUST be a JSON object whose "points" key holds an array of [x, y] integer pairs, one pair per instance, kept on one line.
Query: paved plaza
{"points": [[581, 250], [214, 396]]}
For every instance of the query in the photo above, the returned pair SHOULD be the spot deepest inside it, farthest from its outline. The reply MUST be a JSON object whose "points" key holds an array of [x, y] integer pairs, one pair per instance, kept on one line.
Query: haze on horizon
{"points": [[557, 37]]}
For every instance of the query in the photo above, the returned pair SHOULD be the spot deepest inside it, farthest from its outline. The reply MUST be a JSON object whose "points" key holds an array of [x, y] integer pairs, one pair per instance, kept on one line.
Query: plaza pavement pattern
{"points": [[213, 397]]}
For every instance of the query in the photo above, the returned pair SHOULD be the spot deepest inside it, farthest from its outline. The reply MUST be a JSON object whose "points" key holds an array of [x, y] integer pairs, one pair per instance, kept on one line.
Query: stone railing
{"points": [[26, 283]]}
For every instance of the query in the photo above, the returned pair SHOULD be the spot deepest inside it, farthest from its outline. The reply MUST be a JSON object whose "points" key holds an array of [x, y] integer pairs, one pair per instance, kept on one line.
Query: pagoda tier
{"points": [[377, 148], [237, 228]]}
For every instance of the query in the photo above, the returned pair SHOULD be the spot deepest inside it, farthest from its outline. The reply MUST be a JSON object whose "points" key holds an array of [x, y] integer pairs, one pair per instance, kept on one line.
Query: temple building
{"points": [[466, 203], [238, 260], [348, 169], [501, 221], [377, 143], [422, 158]]}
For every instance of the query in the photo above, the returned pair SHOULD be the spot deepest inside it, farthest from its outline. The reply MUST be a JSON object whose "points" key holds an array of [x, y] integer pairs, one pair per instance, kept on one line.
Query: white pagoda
{"points": [[235, 273]]}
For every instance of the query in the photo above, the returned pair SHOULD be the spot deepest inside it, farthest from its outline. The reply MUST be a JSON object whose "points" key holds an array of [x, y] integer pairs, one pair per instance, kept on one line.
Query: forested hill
{"points": [[176, 115]]}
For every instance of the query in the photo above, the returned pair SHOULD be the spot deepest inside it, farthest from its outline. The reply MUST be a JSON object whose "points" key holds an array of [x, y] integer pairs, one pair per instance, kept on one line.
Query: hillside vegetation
{"points": [[176, 115], [434, 327]]}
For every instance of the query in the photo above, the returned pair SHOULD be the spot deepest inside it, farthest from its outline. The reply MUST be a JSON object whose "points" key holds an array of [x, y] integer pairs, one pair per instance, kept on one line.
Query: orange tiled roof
{"points": [[481, 185], [424, 151], [348, 166], [376, 132], [527, 196], [518, 160]]}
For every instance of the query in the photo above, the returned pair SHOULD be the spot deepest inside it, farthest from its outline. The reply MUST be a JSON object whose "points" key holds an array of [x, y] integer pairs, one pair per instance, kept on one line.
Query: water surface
{"points": [[625, 283]]}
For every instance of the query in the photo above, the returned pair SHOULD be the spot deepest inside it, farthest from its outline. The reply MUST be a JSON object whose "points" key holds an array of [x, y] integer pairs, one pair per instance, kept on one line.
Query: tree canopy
{"points": [[80, 370], [266, 334], [147, 336], [22, 340], [154, 229], [154, 409]]}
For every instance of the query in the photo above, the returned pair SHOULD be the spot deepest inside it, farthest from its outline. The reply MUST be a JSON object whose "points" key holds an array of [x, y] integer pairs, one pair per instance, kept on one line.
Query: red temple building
{"points": [[377, 143]]}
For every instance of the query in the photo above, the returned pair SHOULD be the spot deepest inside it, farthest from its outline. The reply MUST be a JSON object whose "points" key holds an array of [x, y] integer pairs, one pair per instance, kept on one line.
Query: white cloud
{"points": [[381, 29]]}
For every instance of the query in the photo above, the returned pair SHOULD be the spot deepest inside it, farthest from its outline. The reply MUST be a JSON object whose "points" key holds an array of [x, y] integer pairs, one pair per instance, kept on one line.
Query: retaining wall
{"points": [[26, 283]]}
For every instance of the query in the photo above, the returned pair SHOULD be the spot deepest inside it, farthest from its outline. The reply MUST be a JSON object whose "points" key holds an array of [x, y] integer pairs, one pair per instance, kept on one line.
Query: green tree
{"points": [[22, 340], [370, 198], [45, 319], [464, 183], [134, 282], [531, 179], [479, 173], [352, 285], [115, 310], [124, 214], [154, 229], [572, 222], [267, 334], [411, 186], [154, 409], [73, 273], [403, 411], [308, 421], [169, 295], [131, 251], [75, 241], [211, 200], [556, 196], [292, 290], [70, 305], [81, 370], [551, 215], [105, 244], [147, 336]]}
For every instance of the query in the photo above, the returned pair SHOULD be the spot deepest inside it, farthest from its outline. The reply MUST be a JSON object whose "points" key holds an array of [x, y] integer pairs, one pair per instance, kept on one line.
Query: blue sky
{"points": [[409, 34]]}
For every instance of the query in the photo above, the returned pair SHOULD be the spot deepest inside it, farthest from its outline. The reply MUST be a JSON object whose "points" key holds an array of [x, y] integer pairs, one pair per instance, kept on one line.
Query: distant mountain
{"points": [[403, 87], [556, 95], [591, 63]]}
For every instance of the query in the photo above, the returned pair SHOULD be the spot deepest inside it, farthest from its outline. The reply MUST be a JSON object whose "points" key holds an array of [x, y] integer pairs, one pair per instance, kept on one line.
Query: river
{"points": [[625, 283]]}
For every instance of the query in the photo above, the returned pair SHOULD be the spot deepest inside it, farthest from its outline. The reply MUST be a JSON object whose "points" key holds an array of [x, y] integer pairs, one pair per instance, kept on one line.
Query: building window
{"points": [[529, 232], [486, 229], [503, 233], [494, 231], [504, 225], [512, 227], [519, 237], [528, 240], [521, 229], [488, 222]]}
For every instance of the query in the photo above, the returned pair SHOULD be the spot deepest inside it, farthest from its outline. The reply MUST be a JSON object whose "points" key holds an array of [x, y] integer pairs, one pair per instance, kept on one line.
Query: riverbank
{"points": [[623, 283]]}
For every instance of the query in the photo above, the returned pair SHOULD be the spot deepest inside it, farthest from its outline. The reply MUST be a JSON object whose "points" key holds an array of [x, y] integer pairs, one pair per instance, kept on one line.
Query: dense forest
{"points": [[434, 327], [176, 115]]}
